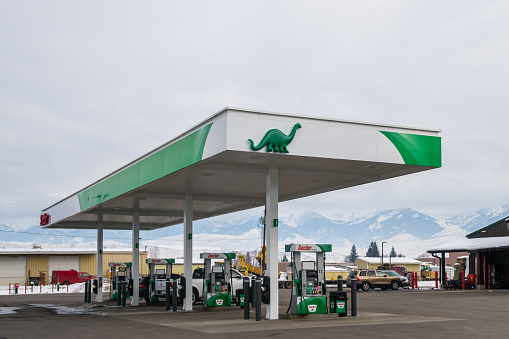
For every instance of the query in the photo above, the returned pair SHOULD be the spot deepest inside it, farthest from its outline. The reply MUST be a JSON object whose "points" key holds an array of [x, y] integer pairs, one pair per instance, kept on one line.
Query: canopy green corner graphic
{"points": [[174, 157], [421, 150]]}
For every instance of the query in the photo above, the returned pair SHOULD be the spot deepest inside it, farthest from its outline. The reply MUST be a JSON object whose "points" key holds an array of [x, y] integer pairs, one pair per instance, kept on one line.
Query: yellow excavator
{"points": [[247, 269]]}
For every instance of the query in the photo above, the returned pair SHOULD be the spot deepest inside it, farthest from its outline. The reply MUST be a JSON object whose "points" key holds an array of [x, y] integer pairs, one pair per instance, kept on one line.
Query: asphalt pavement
{"points": [[381, 314]]}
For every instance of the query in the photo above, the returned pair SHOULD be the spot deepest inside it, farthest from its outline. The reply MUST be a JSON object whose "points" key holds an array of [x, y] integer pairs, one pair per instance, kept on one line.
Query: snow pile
{"points": [[472, 244], [48, 289]]}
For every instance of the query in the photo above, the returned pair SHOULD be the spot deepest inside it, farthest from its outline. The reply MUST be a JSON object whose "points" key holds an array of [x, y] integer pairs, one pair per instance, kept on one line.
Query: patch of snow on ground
{"points": [[8, 310], [48, 289], [62, 310]]}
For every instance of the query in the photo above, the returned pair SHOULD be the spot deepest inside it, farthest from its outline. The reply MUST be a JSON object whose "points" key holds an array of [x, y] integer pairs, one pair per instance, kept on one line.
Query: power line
{"points": [[11, 202], [62, 235], [85, 236]]}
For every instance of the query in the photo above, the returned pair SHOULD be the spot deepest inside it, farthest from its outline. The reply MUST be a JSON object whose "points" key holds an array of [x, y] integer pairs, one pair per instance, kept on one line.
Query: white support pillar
{"points": [[272, 222], [100, 227], [188, 252], [135, 269]]}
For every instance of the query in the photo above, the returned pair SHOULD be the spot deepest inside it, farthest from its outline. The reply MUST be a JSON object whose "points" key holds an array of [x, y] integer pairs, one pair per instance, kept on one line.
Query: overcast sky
{"points": [[88, 86]]}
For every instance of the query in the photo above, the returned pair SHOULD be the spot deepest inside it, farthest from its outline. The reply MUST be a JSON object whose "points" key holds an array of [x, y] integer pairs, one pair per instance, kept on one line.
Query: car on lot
{"points": [[370, 279], [404, 280]]}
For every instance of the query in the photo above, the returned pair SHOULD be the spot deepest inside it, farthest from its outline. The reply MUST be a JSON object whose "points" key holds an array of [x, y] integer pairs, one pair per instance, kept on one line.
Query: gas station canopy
{"points": [[236, 160], [224, 172]]}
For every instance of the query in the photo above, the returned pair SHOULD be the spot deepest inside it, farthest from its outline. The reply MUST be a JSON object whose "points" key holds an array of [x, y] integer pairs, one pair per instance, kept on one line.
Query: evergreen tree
{"points": [[373, 250], [393, 253], [353, 255]]}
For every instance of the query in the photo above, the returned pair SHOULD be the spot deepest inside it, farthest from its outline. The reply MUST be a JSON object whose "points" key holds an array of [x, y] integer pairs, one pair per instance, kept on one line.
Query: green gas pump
{"points": [[157, 285], [120, 271], [309, 292], [217, 286]]}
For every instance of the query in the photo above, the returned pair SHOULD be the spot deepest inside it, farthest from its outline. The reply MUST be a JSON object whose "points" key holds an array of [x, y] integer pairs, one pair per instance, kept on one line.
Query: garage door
{"points": [[13, 270], [63, 262]]}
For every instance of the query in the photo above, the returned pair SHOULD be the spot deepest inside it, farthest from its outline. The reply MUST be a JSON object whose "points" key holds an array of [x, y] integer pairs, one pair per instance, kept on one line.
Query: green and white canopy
{"points": [[215, 163], [240, 159]]}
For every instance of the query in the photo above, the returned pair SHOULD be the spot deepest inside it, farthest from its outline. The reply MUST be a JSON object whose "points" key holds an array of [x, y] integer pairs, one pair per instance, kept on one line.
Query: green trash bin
{"points": [[338, 303], [239, 297]]}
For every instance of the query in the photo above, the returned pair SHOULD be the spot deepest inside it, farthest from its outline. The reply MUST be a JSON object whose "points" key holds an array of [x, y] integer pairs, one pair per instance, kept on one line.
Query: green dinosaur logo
{"points": [[275, 140]]}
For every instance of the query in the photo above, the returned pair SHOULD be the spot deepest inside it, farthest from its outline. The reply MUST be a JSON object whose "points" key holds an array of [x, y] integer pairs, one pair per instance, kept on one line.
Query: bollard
{"points": [[119, 294], [340, 282], [90, 291], [26, 286], [353, 296], [246, 298], [252, 292], [40, 288], [67, 287], [436, 280], [258, 298], [31, 288], [463, 280], [174, 296], [86, 292], [9, 288], [168, 292], [124, 292], [52, 287], [89, 294]]}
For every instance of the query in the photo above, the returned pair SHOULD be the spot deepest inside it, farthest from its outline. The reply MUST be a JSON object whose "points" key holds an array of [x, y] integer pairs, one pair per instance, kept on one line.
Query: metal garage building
{"points": [[19, 265], [488, 250]]}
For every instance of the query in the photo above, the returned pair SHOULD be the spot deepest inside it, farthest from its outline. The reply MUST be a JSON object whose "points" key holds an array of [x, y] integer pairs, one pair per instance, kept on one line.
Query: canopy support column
{"points": [[271, 220], [135, 300], [188, 252], [442, 270], [100, 227]]}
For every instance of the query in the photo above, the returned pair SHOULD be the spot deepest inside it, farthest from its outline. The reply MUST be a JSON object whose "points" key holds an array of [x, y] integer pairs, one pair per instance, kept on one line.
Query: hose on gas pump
{"points": [[294, 283]]}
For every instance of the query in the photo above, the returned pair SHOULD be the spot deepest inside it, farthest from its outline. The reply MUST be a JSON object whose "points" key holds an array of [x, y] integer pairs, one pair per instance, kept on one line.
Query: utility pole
{"points": [[382, 259]]}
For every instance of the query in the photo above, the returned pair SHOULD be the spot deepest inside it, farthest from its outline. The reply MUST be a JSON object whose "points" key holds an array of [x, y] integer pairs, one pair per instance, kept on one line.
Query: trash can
{"points": [[338, 303], [239, 297]]}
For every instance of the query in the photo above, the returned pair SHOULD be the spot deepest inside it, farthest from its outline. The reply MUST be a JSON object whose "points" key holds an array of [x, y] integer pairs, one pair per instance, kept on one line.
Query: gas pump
{"points": [[119, 272], [217, 285], [309, 292], [157, 286]]}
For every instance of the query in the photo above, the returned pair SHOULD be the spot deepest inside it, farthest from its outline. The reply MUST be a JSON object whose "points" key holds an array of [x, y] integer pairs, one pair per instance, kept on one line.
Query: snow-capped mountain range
{"points": [[409, 231]]}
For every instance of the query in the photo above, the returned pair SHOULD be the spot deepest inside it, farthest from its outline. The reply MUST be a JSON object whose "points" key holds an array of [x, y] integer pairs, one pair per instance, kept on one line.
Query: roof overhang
{"points": [[215, 164]]}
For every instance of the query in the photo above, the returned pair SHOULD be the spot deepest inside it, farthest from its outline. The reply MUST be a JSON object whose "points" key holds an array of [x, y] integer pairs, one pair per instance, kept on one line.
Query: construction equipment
{"points": [[426, 273], [248, 269]]}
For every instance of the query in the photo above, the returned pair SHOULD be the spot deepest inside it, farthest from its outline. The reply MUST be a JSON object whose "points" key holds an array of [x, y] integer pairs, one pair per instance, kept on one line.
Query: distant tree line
{"points": [[372, 252]]}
